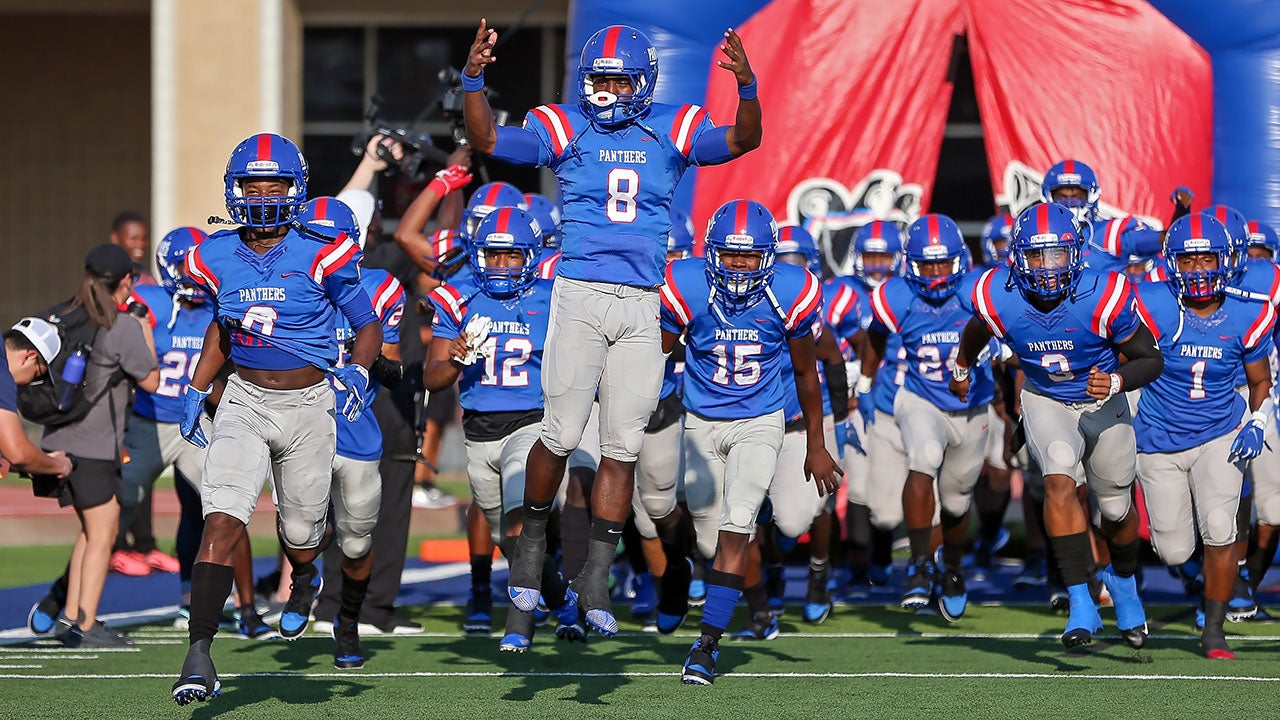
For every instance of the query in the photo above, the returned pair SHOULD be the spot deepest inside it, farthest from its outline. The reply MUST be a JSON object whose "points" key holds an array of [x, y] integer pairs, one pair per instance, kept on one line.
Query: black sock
{"points": [[633, 548], [881, 547], [1074, 555], [675, 538], [952, 555], [602, 548], [1259, 562], [575, 530], [533, 538], [991, 506], [857, 523], [921, 539], [1244, 517], [553, 583], [481, 570], [352, 597], [210, 586], [1124, 558], [757, 598]]}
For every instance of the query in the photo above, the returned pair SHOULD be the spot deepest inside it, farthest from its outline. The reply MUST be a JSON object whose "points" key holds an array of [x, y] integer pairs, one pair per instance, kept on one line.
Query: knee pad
{"points": [[792, 524], [1061, 454], [300, 534], [563, 441], [1113, 508], [1219, 528], [658, 505], [1173, 552], [955, 504], [355, 547]]}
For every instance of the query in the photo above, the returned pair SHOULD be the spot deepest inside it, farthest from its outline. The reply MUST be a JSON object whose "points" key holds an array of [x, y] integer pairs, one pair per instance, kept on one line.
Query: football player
{"points": [[493, 341], [1068, 324], [1191, 445], [995, 240], [275, 294], [618, 156], [749, 313], [1108, 246], [945, 438], [357, 484]]}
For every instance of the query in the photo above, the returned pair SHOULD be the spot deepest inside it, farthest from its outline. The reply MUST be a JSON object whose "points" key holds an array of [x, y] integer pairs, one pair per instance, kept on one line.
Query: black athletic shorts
{"points": [[93, 483]]}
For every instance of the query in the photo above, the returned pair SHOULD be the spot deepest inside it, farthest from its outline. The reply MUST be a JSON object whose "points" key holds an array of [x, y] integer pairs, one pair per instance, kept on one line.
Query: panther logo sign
{"points": [[832, 213]]}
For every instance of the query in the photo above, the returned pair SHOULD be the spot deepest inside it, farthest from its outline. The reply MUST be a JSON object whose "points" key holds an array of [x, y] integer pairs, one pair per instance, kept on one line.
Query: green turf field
{"points": [[998, 662]]}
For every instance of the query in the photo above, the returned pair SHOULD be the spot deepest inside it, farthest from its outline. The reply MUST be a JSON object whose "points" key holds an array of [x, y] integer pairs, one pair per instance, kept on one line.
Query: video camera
{"points": [[418, 147]]}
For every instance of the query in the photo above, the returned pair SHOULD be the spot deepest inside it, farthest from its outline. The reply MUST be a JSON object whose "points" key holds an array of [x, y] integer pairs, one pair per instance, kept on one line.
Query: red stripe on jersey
{"points": [[544, 116], [841, 304], [1109, 305], [197, 269], [674, 301], [1115, 228], [809, 300], [611, 41], [1069, 166], [687, 119], [985, 304], [880, 308], [379, 306], [332, 257], [449, 300], [547, 268], [1147, 319], [565, 124], [264, 146], [1261, 327]]}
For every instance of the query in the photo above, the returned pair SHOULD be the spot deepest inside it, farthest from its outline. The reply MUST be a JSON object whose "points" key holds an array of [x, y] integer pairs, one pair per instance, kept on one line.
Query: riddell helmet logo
{"points": [[832, 213], [739, 240], [263, 167], [500, 239], [607, 64]]}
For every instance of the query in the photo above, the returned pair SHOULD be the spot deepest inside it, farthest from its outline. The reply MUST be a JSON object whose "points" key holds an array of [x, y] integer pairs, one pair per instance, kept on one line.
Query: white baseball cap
{"points": [[42, 334]]}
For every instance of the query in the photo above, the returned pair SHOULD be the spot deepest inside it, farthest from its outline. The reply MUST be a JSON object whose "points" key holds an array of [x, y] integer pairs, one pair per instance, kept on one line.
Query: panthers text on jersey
{"points": [[930, 334], [280, 307], [1057, 349], [362, 439], [733, 366], [179, 334], [616, 185], [1195, 400], [509, 377]]}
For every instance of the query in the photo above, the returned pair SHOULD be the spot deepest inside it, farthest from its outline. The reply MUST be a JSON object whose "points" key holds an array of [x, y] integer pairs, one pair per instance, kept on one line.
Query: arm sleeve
{"points": [[1140, 241], [710, 144], [1145, 362], [522, 145]]}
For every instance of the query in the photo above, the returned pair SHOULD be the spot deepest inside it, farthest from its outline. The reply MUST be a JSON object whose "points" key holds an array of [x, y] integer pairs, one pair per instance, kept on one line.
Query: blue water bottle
{"points": [[72, 374]]}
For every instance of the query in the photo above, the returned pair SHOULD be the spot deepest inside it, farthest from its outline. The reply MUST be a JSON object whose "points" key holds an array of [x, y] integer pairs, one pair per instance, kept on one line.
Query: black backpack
{"points": [[38, 402]]}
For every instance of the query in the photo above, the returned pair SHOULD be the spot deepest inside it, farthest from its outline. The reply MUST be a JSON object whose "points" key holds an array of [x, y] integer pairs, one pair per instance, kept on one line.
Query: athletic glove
{"points": [[192, 408], [356, 380], [846, 434], [1248, 442], [477, 332], [451, 179], [867, 409]]}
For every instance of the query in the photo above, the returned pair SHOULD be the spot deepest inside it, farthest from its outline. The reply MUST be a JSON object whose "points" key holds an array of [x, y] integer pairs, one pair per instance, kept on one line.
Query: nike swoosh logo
{"points": [[1226, 337], [289, 274], [614, 532], [1070, 329], [645, 138], [762, 320], [532, 312]]}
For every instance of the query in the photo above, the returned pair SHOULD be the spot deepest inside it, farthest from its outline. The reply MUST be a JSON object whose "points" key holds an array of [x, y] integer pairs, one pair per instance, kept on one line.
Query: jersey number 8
{"points": [[624, 186]]}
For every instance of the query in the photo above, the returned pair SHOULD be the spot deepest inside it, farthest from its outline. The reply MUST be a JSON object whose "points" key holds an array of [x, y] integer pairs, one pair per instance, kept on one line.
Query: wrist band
{"points": [[1259, 418], [748, 91], [473, 84], [959, 372]]}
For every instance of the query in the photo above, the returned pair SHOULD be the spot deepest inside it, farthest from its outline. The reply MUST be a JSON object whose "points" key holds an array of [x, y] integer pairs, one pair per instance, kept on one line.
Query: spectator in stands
{"points": [[129, 231]]}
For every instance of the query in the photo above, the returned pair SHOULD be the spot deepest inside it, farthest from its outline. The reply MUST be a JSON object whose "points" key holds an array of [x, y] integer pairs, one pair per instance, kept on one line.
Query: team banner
{"points": [[1110, 82]]}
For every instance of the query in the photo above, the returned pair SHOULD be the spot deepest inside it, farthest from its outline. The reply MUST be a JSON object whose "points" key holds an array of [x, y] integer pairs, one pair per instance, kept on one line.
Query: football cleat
{"points": [[478, 619], [817, 597], [697, 592], [594, 607], [519, 633], [982, 554], [1131, 618], [645, 594], [43, 615], [880, 575], [303, 590], [569, 621], [700, 665], [1083, 620], [1242, 605], [1033, 573], [762, 626], [251, 627], [919, 585], [953, 598], [199, 681], [859, 587], [347, 653], [673, 605]]}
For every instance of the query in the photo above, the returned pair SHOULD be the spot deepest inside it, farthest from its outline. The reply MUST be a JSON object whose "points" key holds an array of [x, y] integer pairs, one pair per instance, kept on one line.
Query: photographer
{"points": [[29, 347], [122, 348]]}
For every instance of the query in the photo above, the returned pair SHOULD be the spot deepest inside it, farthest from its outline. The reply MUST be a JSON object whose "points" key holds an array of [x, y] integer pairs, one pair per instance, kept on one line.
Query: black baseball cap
{"points": [[109, 262]]}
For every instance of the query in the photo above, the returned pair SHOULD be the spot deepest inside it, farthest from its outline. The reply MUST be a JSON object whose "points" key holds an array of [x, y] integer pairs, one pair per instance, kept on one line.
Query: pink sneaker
{"points": [[162, 562], [129, 562]]}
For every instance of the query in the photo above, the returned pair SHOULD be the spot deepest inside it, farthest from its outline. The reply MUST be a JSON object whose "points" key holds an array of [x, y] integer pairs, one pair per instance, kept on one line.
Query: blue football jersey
{"points": [[509, 378], [1112, 242], [930, 334], [1195, 400], [733, 364], [1057, 349], [362, 439], [891, 374], [281, 307], [616, 186], [1260, 281], [179, 334]]}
